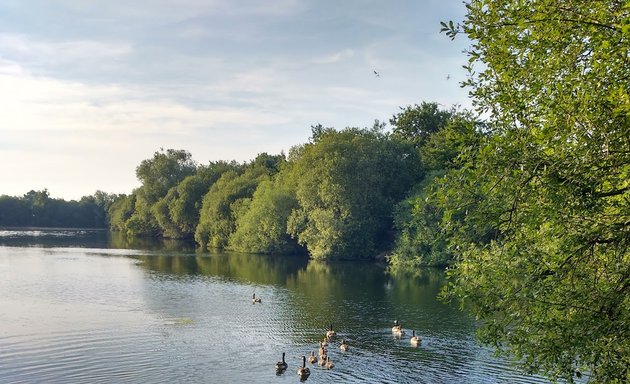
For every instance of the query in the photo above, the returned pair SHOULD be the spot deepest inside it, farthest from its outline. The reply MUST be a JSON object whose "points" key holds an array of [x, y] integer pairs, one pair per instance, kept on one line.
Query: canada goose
{"points": [[256, 299], [329, 364], [322, 351], [344, 347], [302, 371], [281, 365], [322, 360], [312, 359], [415, 340], [324, 342], [331, 334], [397, 329]]}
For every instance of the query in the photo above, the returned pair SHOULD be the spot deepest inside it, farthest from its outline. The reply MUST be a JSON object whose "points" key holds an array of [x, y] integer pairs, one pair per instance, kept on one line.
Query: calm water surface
{"points": [[83, 307]]}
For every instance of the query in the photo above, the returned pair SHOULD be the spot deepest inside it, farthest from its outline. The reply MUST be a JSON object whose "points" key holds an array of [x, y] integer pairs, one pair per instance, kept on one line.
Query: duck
{"points": [[415, 340], [331, 334], [281, 365], [256, 299], [302, 371], [312, 359], [329, 364], [344, 347]]}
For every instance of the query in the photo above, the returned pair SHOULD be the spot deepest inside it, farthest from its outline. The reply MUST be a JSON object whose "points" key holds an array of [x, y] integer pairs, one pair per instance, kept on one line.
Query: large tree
{"points": [[347, 184], [540, 217], [158, 175], [177, 213], [229, 198], [263, 227]]}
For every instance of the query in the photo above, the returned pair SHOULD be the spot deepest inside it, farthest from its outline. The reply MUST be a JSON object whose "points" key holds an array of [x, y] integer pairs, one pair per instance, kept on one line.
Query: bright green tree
{"points": [[177, 213], [347, 184], [540, 217], [119, 211], [263, 227], [164, 171], [158, 175], [229, 198], [417, 123]]}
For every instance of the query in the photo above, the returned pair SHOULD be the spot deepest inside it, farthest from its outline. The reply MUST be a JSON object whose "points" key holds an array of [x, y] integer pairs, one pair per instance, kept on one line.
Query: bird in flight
{"points": [[377, 74], [448, 77]]}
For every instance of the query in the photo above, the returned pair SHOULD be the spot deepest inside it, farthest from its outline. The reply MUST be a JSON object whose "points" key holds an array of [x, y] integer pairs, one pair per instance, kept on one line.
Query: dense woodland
{"points": [[528, 207], [38, 209], [342, 195]]}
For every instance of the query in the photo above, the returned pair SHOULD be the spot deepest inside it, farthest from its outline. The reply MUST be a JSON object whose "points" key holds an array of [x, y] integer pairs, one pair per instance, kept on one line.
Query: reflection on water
{"points": [[87, 238], [86, 314]]}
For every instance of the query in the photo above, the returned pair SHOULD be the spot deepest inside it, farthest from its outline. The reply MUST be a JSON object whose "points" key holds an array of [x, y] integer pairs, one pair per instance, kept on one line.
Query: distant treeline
{"points": [[37, 209]]}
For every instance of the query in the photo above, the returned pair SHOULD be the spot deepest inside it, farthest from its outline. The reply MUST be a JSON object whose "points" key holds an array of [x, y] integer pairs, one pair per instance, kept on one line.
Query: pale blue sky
{"points": [[91, 88]]}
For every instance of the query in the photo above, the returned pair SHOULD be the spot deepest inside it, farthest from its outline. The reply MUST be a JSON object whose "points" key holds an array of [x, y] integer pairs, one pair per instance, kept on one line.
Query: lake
{"points": [[89, 307]]}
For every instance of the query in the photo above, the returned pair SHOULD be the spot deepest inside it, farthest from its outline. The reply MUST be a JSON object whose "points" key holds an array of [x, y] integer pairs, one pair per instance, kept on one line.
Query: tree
{"points": [[263, 227], [421, 241], [549, 270], [119, 211], [158, 175], [164, 171], [347, 184], [416, 123], [177, 213], [228, 199]]}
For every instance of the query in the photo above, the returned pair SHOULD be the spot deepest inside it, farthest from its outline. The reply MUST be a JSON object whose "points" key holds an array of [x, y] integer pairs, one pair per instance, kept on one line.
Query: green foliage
{"points": [[38, 209], [228, 199], [177, 213], [421, 240], [540, 216], [347, 183], [262, 228], [142, 222], [120, 211], [416, 123], [147, 213], [164, 171]]}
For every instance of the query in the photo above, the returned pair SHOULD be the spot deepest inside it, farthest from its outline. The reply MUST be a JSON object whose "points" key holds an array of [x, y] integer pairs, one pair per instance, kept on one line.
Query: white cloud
{"points": [[85, 98], [27, 48], [335, 57], [74, 138]]}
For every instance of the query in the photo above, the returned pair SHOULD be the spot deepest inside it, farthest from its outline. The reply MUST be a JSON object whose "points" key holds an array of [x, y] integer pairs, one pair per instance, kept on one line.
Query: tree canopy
{"points": [[347, 183], [540, 216]]}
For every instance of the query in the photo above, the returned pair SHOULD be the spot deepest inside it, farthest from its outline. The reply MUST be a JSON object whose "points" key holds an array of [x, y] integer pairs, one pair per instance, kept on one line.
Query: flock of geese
{"points": [[323, 359]]}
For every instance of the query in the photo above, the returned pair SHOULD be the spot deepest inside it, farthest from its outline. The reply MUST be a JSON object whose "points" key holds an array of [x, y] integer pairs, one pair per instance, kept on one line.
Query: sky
{"points": [[89, 89]]}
